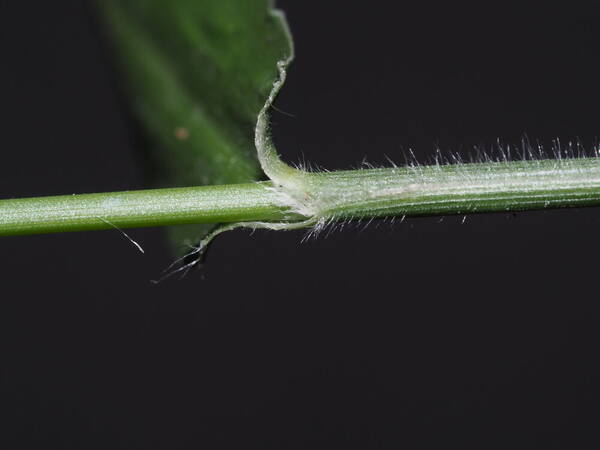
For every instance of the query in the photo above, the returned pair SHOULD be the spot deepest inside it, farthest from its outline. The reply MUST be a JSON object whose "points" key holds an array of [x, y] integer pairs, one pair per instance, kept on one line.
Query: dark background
{"points": [[423, 335]]}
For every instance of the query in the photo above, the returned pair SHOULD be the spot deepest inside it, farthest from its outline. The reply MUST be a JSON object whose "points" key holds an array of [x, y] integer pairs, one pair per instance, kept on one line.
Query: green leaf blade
{"points": [[197, 74]]}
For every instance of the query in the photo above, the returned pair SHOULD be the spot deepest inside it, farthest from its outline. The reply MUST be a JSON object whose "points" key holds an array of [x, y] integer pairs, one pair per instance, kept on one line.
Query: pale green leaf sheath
{"points": [[322, 198]]}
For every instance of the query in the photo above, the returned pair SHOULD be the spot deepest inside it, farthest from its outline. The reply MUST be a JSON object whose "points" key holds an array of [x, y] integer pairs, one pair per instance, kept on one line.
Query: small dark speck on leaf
{"points": [[182, 133]]}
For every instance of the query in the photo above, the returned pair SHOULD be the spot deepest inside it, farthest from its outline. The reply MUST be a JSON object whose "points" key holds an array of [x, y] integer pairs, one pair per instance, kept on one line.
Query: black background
{"points": [[426, 334]]}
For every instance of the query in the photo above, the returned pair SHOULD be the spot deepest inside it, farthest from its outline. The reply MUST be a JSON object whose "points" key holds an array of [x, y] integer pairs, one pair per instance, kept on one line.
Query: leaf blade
{"points": [[197, 74]]}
